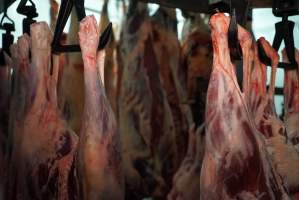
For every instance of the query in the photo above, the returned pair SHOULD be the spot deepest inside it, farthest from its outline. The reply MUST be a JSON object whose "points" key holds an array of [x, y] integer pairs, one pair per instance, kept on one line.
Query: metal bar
{"points": [[278, 91]]}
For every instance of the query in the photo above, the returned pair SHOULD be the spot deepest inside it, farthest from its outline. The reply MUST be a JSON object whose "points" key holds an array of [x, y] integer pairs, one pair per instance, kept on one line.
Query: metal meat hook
{"points": [[233, 41], [64, 13], [232, 6], [29, 12], [7, 37], [284, 30]]}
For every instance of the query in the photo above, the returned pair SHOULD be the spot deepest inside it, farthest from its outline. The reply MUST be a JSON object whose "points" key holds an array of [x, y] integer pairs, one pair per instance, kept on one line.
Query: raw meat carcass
{"points": [[261, 105], [110, 68], [261, 101], [236, 163], [286, 160], [255, 78], [131, 119], [167, 52], [54, 8], [15, 94], [194, 22], [23, 83], [197, 62], [186, 181], [99, 161], [45, 156], [197, 56], [286, 154], [146, 123], [166, 19], [291, 102], [71, 80]]}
